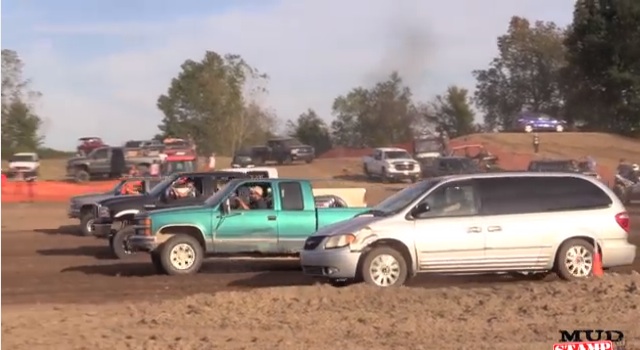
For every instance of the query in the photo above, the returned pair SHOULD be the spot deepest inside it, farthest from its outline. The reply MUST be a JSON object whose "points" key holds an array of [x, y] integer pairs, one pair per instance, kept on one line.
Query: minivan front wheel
{"points": [[575, 259], [384, 267]]}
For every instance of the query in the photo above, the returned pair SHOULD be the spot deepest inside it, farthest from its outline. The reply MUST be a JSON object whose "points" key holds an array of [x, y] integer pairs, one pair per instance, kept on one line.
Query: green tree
{"points": [[381, 115], [524, 75], [603, 75], [311, 130], [213, 100], [453, 113], [20, 123]]}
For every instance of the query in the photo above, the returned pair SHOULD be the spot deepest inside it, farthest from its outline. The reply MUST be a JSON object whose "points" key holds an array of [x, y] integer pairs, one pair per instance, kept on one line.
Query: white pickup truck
{"points": [[391, 164]]}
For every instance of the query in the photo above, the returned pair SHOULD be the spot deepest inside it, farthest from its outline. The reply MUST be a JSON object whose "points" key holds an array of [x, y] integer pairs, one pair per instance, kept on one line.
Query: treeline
{"points": [[587, 73]]}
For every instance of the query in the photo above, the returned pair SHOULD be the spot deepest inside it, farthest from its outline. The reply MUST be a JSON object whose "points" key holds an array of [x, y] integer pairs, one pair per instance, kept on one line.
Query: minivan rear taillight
{"points": [[623, 220]]}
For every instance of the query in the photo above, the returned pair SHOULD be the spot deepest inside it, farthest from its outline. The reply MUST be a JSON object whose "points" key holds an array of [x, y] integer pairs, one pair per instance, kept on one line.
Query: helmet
{"points": [[635, 167]]}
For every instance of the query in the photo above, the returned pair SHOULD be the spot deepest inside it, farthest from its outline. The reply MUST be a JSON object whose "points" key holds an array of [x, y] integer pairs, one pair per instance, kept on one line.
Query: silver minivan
{"points": [[527, 224]]}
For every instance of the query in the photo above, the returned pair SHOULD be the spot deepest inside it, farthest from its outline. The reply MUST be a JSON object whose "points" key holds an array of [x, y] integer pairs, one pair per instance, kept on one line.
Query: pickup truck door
{"points": [[297, 215], [248, 230], [101, 162], [377, 162]]}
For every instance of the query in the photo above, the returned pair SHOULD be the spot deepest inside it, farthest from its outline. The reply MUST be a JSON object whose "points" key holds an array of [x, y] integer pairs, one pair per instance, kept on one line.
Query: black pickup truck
{"points": [[185, 189], [283, 151]]}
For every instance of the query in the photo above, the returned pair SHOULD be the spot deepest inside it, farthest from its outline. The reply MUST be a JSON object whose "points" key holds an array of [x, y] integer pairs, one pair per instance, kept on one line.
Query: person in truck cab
{"points": [[256, 199]]}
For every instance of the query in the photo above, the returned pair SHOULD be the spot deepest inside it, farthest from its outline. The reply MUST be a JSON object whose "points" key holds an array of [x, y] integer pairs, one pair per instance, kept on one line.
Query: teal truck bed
{"points": [[178, 239]]}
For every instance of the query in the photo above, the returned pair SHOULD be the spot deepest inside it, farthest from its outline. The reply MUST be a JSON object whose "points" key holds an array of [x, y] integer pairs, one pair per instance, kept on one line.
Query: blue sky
{"points": [[102, 63]]}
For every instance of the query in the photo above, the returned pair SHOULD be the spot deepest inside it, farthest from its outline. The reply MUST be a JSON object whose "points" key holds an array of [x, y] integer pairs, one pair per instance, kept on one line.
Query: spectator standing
{"points": [[536, 143], [212, 162]]}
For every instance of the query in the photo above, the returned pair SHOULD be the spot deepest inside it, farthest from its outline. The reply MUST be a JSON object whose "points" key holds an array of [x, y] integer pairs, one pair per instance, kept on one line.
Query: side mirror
{"points": [[420, 209], [226, 207]]}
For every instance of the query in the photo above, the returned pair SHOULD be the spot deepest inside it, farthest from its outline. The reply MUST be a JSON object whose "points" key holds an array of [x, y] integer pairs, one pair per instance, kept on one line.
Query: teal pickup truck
{"points": [[178, 239]]}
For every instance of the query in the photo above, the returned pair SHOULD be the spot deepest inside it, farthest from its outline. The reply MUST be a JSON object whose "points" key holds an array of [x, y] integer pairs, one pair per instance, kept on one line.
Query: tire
{"points": [[575, 245], [415, 179], [258, 161], [399, 270], [309, 161], [156, 260], [82, 176], [528, 128], [118, 243], [559, 128], [288, 160], [86, 221], [383, 176], [172, 246], [365, 171]]}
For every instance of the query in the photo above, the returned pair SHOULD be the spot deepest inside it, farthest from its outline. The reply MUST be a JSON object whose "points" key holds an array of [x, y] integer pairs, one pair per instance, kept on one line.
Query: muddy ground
{"points": [[61, 291]]}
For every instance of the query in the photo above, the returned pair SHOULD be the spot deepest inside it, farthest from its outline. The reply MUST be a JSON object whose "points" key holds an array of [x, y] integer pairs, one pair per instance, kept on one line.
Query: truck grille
{"points": [[404, 166], [313, 242]]}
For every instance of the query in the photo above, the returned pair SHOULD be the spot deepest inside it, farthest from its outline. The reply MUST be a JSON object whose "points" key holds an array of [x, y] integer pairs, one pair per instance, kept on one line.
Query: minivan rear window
{"points": [[522, 195]]}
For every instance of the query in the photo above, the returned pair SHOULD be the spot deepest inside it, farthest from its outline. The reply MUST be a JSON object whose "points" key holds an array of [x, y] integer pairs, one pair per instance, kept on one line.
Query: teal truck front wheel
{"points": [[181, 255]]}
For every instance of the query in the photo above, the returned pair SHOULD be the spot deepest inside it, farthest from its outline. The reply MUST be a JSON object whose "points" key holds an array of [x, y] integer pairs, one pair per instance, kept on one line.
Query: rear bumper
{"points": [[620, 253]]}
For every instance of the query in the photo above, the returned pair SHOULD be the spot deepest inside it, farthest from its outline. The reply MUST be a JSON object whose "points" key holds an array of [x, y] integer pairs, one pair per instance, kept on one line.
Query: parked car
{"points": [[389, 163], [113, 215], [179, 239], [83, 207], [245, 158], [521, 223], [282, 151], [109, 162], [26, 164], [530, 121]]}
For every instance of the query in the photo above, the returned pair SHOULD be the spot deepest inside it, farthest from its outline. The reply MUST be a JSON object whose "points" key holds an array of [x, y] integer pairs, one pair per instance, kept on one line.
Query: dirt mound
{"points": [[527, 316]]}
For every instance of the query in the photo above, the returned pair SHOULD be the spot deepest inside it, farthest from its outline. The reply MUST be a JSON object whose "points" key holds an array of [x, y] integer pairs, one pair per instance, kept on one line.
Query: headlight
{"points": [[294, 151], [339, 241], [103, 212]]}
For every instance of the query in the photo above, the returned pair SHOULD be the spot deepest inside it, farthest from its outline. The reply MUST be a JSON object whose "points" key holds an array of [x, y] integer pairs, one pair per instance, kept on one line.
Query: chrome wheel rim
{"points": [[183, 256], [384, 270], [579, 261], [89, 224]]}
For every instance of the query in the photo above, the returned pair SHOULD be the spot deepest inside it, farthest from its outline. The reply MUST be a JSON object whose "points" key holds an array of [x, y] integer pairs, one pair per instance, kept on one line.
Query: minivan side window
{"points": [[451, 200], [523, 195]]}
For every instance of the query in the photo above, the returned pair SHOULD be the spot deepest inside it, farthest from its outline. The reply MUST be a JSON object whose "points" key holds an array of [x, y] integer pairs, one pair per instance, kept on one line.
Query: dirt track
{"points": [[44, 264]]}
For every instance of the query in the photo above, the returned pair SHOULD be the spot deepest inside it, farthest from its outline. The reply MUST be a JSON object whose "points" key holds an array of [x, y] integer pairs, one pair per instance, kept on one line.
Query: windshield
{"points": [[21, 158], [402, 199], [397, 155], [217, 197], [427, 146]]}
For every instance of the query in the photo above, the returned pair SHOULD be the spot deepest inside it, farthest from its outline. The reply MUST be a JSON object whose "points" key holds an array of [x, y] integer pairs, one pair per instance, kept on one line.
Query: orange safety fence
{"points": [[49, 191]]}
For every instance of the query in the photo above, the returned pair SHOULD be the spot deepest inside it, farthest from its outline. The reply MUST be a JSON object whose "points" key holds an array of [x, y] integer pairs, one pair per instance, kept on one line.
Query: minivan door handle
{"points": [[494, 228], [474, 229], [271, 217]]}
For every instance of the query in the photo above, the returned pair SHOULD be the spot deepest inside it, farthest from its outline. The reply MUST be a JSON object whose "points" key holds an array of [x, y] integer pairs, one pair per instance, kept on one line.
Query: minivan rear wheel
{"points": [[384, 267], [575, 259]]}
